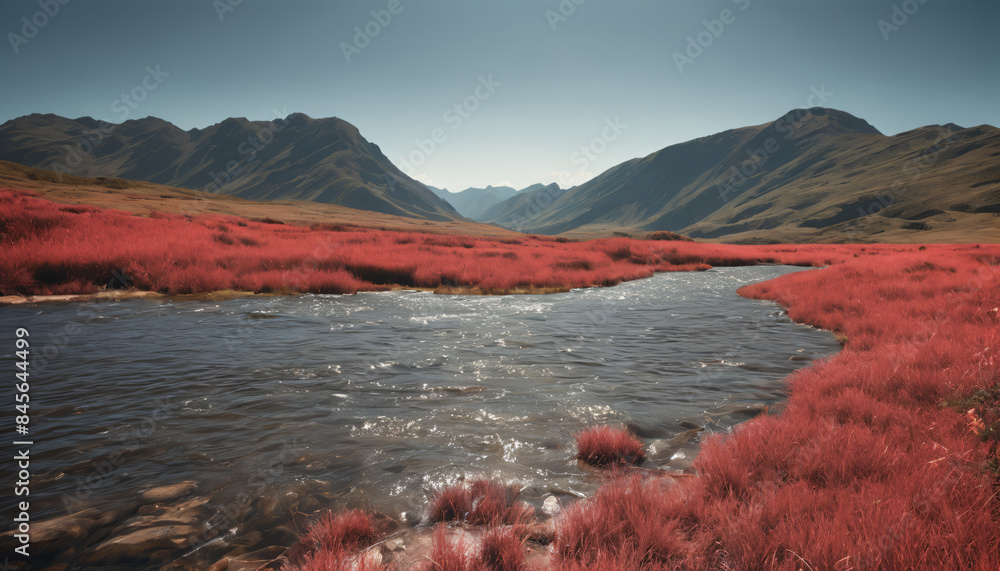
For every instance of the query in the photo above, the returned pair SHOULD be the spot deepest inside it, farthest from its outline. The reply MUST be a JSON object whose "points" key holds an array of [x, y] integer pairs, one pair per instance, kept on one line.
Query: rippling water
{"points": [[384, 396]]}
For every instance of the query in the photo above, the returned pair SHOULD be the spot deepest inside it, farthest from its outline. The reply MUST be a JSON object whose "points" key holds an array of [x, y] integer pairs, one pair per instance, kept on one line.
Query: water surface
{"points": [[381, 397]]}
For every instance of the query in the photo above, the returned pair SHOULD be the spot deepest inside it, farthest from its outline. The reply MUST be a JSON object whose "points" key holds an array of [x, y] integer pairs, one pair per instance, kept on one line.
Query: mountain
{"points": [[535, 186], [473, 202], [520, 211], [812, 175], [145, 198], [295, 158]]}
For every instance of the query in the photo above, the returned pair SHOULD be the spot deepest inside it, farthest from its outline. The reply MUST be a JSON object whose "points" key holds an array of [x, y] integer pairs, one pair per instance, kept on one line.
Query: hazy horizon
{"points": [[533, 82]]}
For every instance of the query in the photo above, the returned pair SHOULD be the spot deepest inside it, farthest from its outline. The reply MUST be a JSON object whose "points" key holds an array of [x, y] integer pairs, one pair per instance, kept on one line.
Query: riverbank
{"points": [[222, 295], [885, 456], [56, 250]]}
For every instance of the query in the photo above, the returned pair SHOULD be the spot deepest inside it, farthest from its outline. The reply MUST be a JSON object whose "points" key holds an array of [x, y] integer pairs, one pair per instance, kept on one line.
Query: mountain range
{"points": [[519, 211], [476, 203], [295, 158], [812, 175]]}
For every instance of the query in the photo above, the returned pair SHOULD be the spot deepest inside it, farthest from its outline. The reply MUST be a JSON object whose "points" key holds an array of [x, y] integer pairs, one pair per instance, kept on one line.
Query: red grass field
{"points": [[51, 248], [884, 458]]}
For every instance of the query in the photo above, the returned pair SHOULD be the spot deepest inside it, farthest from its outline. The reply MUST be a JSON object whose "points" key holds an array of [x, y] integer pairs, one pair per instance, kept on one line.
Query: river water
{"points": [[378, 398]]}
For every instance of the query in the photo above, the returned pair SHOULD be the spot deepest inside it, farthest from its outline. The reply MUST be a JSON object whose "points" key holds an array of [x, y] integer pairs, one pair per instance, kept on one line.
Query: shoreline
{"points": [[226, 295]]}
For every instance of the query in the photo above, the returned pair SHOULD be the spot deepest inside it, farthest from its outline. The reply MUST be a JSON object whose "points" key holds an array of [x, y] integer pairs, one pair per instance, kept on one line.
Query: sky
{"points": [[470, 93]]}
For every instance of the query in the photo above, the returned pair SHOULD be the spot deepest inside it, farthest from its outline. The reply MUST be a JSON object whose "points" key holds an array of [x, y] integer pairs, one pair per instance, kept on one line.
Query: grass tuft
{"points": [[609, 446]]}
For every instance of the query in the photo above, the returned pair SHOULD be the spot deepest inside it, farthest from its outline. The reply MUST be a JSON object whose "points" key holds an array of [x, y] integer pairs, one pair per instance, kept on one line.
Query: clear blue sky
{"points": [[557, 78]]}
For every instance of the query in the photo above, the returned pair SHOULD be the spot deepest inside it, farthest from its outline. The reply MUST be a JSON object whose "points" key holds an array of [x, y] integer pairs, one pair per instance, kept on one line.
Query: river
{"points": [[376, 399]]}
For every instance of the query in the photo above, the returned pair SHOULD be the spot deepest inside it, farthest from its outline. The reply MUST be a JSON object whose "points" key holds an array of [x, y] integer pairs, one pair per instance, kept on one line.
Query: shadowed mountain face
{"points": [[520, 211], [812, 175], [323, 160]]}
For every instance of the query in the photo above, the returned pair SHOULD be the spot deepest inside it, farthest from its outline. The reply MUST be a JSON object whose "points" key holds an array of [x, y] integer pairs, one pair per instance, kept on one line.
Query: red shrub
{"points": [[480, 503], [502, 549], [449, 554], [635, 522], [333, 538], [606, 446], [453, 503]]}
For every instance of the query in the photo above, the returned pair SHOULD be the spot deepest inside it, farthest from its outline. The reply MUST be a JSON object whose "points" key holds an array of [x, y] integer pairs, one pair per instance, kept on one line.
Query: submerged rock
{"points": [[735, 410], [139, 545], [664, 450], [57, 535], [266, 558], [168, 493]]}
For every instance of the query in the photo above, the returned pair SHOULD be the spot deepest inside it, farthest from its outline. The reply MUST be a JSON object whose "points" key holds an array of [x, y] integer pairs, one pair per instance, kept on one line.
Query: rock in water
{"points": [[550, 506], [167, 493]]}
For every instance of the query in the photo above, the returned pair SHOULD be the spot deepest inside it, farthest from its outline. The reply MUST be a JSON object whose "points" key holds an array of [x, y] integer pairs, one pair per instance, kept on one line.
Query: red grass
{"points": [[502, 549], [481, 503], [51, 248], [333, 541], [453, 503], [607, 446], [634, 522], [452, 554]]}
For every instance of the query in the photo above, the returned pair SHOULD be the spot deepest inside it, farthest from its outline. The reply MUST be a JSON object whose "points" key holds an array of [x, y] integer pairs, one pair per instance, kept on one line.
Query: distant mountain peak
{"points": [[147, 120], [826, 120], [300, 119]]}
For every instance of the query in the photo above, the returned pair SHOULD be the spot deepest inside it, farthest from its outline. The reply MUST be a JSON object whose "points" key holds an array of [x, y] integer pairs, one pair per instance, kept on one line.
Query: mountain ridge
{"points": [[476, 203], [767, 182], [812, 174], [296, 158]]}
